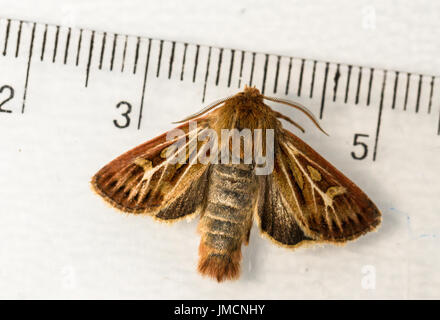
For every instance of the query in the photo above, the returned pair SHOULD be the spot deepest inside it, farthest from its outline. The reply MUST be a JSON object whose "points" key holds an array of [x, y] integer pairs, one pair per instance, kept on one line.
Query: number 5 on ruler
{"points": [[356, 142]]}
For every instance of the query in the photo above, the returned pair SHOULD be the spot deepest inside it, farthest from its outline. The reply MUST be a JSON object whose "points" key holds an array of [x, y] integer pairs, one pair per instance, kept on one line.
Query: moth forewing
{"points": [[151, 186], [333, 208]]}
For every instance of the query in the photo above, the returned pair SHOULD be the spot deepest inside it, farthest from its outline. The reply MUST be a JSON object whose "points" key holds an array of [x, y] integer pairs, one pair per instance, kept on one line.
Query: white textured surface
{"points": [[58, 240]]}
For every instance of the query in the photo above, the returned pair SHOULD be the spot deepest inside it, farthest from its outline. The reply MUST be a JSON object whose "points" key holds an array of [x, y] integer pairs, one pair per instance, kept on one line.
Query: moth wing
{"points": [[275, 218], [326, 205], [145, 180]]}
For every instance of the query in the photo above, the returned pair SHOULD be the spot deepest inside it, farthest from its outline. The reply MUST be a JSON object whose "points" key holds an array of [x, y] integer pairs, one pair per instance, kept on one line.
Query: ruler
{"points": [[204, 70], [72, 99]]}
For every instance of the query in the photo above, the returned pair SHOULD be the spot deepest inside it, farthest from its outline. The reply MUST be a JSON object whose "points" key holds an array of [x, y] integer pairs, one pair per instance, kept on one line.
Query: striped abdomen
{"points": [[227, 219]]}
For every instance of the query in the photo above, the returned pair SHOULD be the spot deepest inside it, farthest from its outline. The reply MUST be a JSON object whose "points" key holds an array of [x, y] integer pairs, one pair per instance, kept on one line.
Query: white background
{"points": [[58, 240]]}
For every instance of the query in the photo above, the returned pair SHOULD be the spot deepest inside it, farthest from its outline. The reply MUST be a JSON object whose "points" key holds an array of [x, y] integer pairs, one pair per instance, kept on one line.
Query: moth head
{"points": [[251, 92], [249, 96]]}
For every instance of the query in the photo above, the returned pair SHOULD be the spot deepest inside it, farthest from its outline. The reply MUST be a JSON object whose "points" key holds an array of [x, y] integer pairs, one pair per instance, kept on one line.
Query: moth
{"points": [[302, 200]]}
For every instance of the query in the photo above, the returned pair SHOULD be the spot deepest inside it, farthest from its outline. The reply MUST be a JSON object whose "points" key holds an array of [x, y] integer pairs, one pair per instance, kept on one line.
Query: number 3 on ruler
{"points": [[124, 114]]}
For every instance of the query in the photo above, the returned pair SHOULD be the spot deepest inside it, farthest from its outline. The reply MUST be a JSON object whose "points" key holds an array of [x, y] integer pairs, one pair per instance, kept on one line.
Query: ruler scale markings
{"points": [[241, 69], [358, 89], [288, 76], [115, 41], [263, 85], [8, 26], [370, 84], [219, 65], [170, 67], [379, 117], [89, 62], [231, 67], [55, 48], [103, 41], [26, 82], [136, 56], [17, 48], [416, 91], [408, 76], [336, 81], [66, 49], [313, 80], [163, 40], [301, 77], [252, 68], [321, 112], [431, 91], [124, 52], [78, 51], [144, 83], [43, 47], [277, 71], [347, 85], [438, 128], [183, 61], [206, 74], [396, 81], [419, 91], [159, 59], [196, 62]]}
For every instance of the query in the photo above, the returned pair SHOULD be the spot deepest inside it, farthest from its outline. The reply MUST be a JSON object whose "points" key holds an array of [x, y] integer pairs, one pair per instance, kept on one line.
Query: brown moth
{"points": [[303, 200]]}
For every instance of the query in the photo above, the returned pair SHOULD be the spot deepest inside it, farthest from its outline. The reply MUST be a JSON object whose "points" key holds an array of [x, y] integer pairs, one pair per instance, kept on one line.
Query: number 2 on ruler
{"points": [[9, 96]]}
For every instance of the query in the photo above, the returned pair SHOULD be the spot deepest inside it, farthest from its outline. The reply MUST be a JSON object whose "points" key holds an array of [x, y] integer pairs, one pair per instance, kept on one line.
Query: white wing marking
{"points": [[143, 186], [328, 201], [293, 191]]}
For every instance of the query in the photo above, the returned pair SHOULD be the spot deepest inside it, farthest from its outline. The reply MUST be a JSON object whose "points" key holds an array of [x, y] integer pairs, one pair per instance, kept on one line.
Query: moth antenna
{"points": [[282, 116], [300, 107], [204, 110]]}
